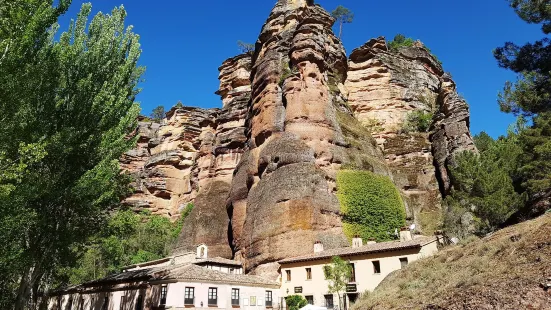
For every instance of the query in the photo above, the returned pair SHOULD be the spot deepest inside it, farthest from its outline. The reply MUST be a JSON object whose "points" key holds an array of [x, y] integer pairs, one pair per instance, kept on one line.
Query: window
{"points": [[308, 273], [288, 272], [189, 296], [404, 262], [253, 300], [352, 273], [269, 299], [213, 296], [105, 304], [123, 301], [310, 299], [376, 267], [329, 301], [164, 289], [139, 303], [235, 297]]}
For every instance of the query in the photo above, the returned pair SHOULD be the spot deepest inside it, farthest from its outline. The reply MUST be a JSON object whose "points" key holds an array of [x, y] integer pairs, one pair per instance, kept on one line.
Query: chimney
{"points": [[318, 247], [357, 242], [405, 234], [371, 241]]}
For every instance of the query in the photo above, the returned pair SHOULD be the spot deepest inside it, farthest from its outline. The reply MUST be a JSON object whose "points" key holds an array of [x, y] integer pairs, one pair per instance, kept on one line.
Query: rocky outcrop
{"points": [[383, 88], [283, 194], [261, 171], [162, 165], [221, 150]]}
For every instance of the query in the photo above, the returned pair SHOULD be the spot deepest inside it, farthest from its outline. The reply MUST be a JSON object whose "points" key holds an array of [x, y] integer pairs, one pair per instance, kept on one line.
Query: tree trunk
{"points": [[27, 285], [340, 29], [24, 290]]}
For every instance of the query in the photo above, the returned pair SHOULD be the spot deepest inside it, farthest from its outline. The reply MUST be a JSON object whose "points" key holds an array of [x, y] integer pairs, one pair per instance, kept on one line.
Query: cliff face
{"points": [[384, 87], [262, 170]]}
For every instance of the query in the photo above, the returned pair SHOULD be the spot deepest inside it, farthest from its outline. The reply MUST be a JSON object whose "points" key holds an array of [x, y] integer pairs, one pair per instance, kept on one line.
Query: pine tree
{"points": [[343, 16], [530, 97]]}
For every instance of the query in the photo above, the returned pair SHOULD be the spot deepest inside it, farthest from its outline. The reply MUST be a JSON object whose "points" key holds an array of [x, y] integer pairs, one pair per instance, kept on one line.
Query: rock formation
{"points": [[261, 171], [383, 87]]}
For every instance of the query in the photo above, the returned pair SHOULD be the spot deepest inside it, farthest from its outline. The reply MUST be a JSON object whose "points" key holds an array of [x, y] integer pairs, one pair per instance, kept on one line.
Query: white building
{"points": [[370, 264], [188, 281]]}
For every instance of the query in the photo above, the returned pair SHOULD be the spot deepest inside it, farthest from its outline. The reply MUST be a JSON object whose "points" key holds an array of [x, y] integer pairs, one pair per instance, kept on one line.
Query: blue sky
{"points": [[184, 43]]}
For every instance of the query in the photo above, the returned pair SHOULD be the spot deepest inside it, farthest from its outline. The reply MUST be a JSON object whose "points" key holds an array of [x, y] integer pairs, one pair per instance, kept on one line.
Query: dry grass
{"points": [[502, 271]]}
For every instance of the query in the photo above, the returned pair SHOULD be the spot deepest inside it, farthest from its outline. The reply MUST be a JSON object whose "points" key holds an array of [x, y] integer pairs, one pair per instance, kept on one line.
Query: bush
{"points": [[400, 41], [371, 205], [295, 302], [418, 121]]}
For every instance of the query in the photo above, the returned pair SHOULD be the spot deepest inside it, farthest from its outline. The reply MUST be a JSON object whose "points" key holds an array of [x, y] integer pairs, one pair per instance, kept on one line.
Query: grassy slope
{"points": [[501, 271]]}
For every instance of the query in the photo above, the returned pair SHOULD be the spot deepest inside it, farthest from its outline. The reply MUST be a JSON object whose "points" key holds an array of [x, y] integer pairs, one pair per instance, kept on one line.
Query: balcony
{"points": [[351, 288], [235, 303], [213, 302], [268, 303]]}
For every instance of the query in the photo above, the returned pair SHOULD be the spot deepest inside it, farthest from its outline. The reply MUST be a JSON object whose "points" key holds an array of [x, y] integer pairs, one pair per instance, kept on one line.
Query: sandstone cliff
{"points": [[383, 87], [261, 171]]}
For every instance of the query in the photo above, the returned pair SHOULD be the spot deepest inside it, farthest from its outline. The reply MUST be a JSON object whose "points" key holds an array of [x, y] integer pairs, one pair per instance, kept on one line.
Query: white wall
{"points": [[366, 279], [175, 295]]}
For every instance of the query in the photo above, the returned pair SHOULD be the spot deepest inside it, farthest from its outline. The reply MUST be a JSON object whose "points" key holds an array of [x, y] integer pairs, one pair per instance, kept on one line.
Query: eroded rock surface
{"points": [[383, 88], [261, 171]]}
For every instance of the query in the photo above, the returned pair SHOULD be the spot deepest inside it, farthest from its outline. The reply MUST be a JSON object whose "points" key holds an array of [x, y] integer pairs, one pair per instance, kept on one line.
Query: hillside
{"points": [[502, 271]]}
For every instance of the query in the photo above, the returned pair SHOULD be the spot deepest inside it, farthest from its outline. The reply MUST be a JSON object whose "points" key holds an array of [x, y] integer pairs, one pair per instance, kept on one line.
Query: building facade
{"points": [[195, 281], [187, 281], [370, 264]]}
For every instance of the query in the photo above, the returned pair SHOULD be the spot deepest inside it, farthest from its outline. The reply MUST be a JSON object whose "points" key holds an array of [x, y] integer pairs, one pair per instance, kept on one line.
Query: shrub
{"points": [[371, 205], [246, 48], [400, 41], [418, 121], [295, 302]]}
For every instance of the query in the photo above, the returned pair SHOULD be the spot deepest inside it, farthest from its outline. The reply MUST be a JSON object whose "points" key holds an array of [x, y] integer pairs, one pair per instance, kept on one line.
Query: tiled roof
{"points": [[194, 273], [366, 249], [218, 260]]}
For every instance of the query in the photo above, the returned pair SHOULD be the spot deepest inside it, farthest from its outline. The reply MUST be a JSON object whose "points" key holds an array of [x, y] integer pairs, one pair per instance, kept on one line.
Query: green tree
{"points": [[343, 16], [418, 121], [128, 238], [245, 48], [179, 104], [295, 302], [400, 41], [484, 183], [530, 97], [158, 113], [338, 275], [66, 114]]}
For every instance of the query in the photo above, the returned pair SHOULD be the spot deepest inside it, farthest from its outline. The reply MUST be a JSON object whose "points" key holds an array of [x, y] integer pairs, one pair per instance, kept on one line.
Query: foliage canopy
{"points": [[295, 302], [371, 205], [67, 114], [343, 16], [338, 275]]}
